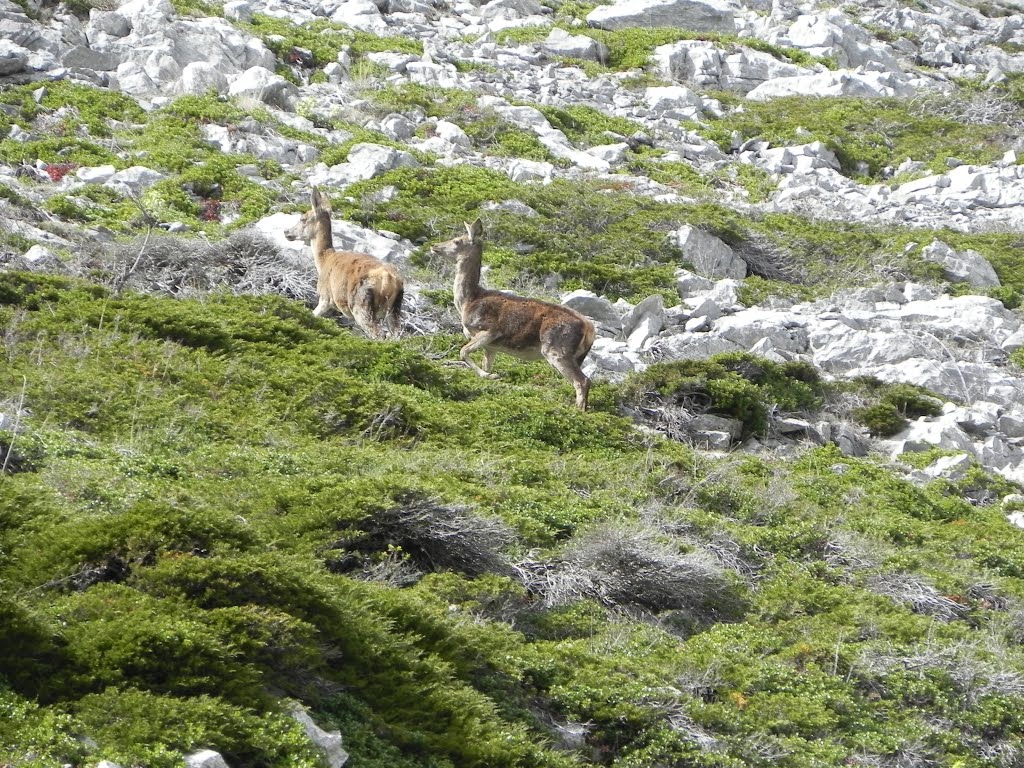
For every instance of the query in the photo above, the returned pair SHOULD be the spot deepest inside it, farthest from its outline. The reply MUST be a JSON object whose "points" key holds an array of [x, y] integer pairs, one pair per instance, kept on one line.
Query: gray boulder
{"points": [[698, 15], [198, 77], [597, 308], [270, 88], [13, 58], [961, 266], [328, 742], [561, 43], [709, 255], [645, 321]]}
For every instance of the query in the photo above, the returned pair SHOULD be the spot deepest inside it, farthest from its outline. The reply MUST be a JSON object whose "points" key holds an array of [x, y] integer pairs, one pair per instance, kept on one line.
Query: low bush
{"points": [[737, 385]]}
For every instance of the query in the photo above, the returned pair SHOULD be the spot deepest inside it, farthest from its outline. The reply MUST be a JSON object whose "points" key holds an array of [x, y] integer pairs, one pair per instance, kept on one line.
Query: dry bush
{"points": [[636, 567], [767, 260], [244, 263], [853, 551], [970, 107], [423, 535], [977, 669], [914, 591]]}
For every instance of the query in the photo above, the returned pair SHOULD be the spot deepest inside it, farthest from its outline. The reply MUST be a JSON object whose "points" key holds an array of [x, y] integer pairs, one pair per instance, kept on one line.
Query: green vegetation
{"points": [[489, 132], [218, 503], [586, 126], [324, 39], [737, 385], [877, 133], [892, 405], [631, 48]]}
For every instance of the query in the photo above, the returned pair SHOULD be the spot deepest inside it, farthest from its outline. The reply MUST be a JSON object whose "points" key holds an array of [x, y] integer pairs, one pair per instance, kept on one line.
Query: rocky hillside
{"points": [[232, 532]]}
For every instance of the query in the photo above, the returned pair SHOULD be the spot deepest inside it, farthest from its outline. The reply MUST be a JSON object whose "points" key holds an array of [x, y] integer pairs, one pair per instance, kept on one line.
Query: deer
{"points": [[362, 287], [527, 328]]}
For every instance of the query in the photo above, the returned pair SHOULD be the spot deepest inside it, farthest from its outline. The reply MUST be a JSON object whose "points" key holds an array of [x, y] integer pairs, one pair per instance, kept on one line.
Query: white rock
{"points": [[328, 742], [262, 84], [363, 15], [688, 283], [561, 43], [39, 253], [95, 174], [206, 758], [452, 133], [610, 153], [961, 267], [979, 418], [612, 356], [837, 83], [198, 77], [673, 99], [646, 320], [134, 180], [238, 10], [950, 467]]}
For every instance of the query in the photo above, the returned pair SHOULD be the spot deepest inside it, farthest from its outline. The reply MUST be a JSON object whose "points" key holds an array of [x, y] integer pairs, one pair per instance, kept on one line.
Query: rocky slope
{"points": [[821, 185]]}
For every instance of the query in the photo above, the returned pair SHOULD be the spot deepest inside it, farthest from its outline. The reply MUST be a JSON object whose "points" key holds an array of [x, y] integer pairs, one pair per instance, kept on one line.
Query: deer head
{"points": [[305, 228]]}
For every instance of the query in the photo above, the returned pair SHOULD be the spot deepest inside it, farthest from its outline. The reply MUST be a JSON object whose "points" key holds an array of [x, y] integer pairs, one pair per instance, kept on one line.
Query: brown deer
{"points": [[363, 288], [525, 328]]}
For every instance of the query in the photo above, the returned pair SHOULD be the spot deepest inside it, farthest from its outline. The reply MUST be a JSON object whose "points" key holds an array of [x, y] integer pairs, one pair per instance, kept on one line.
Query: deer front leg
{"points": [[478, 340]]}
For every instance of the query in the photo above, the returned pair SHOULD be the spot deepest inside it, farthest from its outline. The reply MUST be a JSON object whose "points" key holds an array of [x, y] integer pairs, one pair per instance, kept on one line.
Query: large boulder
{"points": [[561, 43], [838, 83], [706, 65], [961, 267], [266, 86], [709, 255], [697, 15]]}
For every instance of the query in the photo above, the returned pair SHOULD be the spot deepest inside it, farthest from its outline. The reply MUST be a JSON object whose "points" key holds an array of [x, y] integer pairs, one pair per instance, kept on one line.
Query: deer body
{"points": [[529, 329], [361, 287]]}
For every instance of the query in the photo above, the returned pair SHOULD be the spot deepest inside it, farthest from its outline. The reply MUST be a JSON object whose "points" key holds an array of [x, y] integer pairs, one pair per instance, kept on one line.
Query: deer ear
{"points": [[320, 200], [475, 230]]}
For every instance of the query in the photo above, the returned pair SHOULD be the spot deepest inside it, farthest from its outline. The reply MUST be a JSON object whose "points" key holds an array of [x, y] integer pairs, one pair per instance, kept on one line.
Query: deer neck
{"points": [[323, 239], [467, 275]]}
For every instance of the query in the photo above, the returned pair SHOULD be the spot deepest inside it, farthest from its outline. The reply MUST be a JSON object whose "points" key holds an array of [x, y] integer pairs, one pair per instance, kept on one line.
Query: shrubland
{"points": [[215, 507]]}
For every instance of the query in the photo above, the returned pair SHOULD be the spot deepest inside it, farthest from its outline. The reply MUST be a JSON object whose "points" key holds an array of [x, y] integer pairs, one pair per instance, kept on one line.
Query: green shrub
{"points": [[877, 133], [134, 726], [894, 405], [738, 385]]}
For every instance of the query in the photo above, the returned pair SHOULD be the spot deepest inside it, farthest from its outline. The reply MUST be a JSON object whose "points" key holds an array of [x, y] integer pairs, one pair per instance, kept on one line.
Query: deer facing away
{"points": [[529, 329], [361, 287]]}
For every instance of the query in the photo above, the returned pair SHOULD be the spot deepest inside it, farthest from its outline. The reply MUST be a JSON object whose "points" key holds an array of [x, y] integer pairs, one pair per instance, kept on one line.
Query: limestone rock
{"points": [[328, 742], [961, 267], [709, 255], [205, 758], [698, 15], [561, 43]]}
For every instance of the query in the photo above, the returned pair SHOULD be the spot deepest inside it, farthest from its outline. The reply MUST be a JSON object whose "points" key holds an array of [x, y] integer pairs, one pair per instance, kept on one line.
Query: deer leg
{"points": [[395, 314], [478, 340], [489, 355], [321, 307], [569, 368], [363, 312]]}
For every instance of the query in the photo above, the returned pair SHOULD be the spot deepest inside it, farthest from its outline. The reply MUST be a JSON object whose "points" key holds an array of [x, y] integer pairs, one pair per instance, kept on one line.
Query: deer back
{"points": [[527, 325]]}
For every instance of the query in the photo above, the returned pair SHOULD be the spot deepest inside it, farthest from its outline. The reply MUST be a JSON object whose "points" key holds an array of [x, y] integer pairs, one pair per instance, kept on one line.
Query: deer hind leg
{"points": [[364, 311], [568, 367], [481, 339], [394, 318]]}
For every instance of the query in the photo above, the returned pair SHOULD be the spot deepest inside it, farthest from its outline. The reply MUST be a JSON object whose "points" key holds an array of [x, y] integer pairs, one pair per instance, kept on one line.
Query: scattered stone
{"points": [[205, 758], [328, 742]]}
